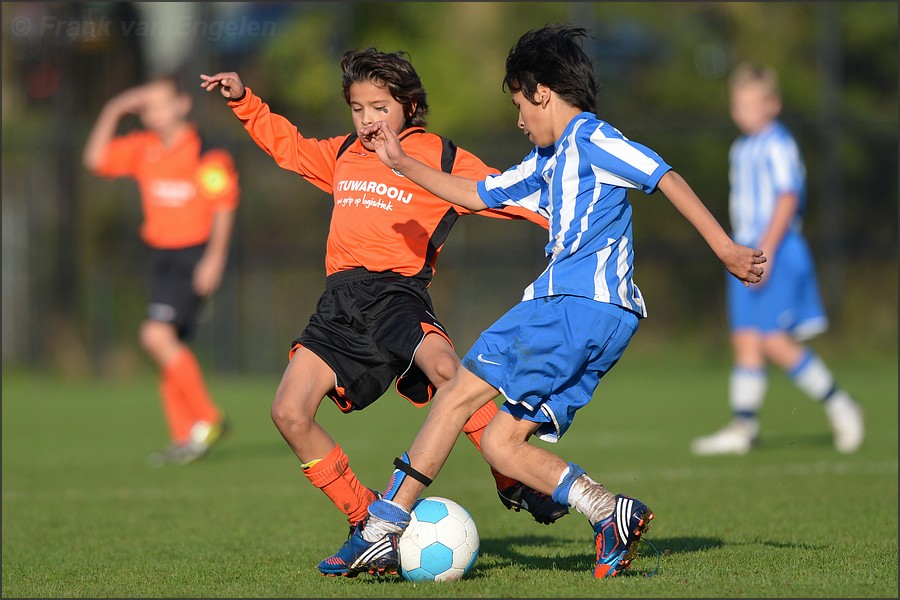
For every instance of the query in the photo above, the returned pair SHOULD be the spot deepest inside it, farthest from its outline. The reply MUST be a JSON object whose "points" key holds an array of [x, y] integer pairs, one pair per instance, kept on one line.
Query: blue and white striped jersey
{"points": [[580, 184], [763, 166]]}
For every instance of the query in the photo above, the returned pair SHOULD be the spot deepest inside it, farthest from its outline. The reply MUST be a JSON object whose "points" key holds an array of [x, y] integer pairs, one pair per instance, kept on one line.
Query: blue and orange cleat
{"points": [[381, 557], [617, 536]]}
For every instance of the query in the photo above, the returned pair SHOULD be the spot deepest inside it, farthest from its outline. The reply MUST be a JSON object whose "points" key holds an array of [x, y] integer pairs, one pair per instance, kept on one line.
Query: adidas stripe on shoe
{"points": [[356, 555], [616, 537]]}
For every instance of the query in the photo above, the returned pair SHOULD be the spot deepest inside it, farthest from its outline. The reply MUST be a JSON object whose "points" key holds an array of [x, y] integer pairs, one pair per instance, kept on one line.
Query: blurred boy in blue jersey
{"points": [[548, 353], [771, 321]]}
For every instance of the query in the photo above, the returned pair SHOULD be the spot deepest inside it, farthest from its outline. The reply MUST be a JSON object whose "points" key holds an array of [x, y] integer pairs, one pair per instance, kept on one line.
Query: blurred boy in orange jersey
{"points": [[189, 194]]}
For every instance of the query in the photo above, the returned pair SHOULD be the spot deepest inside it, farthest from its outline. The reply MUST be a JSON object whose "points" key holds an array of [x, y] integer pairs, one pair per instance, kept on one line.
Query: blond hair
{"points": [[747, 74]]}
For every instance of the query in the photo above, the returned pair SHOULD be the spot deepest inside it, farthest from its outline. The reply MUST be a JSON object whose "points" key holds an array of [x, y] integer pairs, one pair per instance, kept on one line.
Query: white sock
{"points": [[591, 499], [747, 390], [814, 378]]}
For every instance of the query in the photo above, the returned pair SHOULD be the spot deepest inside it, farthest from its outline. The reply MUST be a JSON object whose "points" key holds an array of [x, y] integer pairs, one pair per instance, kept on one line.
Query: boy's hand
{"points": [[385, 142], [745, 263], [207, 276], [770, 257], [232, 88]]}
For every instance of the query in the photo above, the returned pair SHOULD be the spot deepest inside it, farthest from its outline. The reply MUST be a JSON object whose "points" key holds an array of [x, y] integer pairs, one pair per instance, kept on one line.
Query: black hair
{"points": [[392, 69], [553, 56]]}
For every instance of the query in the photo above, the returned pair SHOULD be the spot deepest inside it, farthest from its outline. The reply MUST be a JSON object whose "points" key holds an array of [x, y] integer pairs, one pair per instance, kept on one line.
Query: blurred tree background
{"points": [[73, 271]]}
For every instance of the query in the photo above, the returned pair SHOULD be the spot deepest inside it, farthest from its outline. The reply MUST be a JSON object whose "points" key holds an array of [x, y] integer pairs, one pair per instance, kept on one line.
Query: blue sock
{"points": [[389, 511], [561, 493], [385, 517], [812, 376]]}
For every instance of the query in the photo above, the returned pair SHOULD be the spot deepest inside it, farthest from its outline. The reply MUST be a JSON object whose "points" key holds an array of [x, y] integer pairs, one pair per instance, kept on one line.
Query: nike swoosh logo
{"points": [[481, 358]]}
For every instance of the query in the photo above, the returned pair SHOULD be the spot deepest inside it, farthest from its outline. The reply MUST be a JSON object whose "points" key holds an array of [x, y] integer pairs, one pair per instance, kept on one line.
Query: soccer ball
{"points": [[441, 542]]}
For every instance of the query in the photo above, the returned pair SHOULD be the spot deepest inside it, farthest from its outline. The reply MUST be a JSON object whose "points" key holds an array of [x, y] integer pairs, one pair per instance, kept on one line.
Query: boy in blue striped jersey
{"points": [[547, 354], [772, 321]]}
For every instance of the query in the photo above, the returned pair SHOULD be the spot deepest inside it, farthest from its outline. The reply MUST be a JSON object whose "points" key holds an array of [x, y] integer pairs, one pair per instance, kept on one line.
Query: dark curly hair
{"points": [[553, 56], [392, 69]]}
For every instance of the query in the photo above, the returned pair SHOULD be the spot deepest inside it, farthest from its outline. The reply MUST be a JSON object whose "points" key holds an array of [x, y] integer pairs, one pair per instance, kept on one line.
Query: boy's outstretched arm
{"points": [[452, 188], [104, 129], [742, 262], [208, 272], [277, 136]]}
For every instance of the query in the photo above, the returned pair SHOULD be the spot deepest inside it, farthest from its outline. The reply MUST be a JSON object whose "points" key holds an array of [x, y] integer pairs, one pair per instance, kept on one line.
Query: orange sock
{"points": [[178, 418], [333, 476], [473, 429], [185, 372]]}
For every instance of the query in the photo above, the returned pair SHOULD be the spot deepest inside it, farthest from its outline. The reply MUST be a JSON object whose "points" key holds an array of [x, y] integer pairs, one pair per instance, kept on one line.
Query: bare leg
{"points": [[306, 381], [451, 407]]}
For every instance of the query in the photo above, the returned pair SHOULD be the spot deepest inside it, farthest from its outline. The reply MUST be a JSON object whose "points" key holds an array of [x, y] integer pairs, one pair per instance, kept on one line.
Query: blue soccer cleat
{"points": [[617, 536], [542, 507], [330, 566], [381, 557]]}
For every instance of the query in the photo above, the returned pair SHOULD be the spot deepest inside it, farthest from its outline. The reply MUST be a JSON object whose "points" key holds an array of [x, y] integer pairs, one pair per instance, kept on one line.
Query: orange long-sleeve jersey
{"points": [[381, 221], [182, 187]]}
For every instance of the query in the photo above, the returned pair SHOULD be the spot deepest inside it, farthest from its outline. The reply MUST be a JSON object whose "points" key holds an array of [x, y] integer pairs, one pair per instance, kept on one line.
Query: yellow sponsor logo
{"points": [[213, 179]]}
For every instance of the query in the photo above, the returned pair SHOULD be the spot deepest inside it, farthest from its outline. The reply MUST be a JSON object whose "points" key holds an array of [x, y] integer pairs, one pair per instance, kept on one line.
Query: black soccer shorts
{"points": [[367, 327], [172, 296]]}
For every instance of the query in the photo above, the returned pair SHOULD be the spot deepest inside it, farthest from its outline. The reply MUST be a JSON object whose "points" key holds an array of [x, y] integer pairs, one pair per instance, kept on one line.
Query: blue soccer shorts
{"points": [[547, 356], [789, 300]]}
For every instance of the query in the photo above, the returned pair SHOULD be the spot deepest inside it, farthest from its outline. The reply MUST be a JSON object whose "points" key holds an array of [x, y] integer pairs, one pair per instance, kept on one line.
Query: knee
{"points": [[288, 414], [445, 368], [156, 337], [782, 350], [457, 399], [494, 447], [771, 344]]}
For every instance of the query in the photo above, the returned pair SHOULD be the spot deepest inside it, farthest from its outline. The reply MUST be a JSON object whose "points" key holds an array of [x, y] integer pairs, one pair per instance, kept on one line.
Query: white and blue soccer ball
{"points": [[441, 542]]}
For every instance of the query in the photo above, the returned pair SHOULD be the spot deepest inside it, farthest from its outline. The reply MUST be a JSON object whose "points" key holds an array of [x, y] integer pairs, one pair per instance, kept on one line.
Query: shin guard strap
{"points": [[407, 468], [397, 477]]}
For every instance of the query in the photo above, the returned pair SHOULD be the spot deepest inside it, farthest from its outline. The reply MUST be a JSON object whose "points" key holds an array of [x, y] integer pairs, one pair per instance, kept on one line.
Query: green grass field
{"points": [[84, 516]]}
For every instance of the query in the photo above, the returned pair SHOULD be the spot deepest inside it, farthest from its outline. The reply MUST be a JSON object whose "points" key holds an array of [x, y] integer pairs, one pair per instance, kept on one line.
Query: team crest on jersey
{"points": [[213, 178]]}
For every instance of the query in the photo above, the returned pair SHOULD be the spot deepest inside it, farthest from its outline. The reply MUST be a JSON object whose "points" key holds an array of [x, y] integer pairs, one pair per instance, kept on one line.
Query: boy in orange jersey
{"points": [[189, 195], [375, 322]]}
